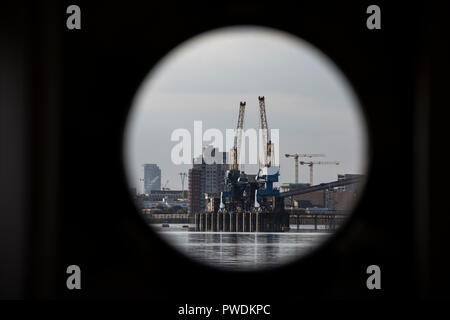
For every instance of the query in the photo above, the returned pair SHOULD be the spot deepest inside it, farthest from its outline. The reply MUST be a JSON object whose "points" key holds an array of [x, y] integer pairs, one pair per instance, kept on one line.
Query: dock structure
{"points": [[272, 220], [265, 221], [249, 221]]}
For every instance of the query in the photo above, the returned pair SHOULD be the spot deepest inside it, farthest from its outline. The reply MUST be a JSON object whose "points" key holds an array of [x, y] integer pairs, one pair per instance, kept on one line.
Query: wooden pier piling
{"points": [[245, 221]]}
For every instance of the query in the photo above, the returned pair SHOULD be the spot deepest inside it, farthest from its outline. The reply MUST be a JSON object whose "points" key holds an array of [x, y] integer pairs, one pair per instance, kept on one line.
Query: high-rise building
{"points": [[152, 177], [213, 174], [208, 178], [195, 198]]}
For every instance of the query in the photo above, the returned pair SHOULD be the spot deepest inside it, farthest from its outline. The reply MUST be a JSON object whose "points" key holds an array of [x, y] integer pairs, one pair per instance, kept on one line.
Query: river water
{"points": [[242, 250]]}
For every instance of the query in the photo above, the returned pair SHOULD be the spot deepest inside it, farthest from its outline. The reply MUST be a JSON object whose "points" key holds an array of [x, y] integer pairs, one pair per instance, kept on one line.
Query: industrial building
{"points": [[291, 186], [161, 198], [152, 177], [159, 195], [313, 199], [334, 199], [340, 198], [351, 187]]}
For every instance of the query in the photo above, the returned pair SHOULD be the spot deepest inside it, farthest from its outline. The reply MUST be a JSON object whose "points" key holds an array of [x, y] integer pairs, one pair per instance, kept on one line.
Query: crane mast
{"points": [[238, 137], [267, 143]]}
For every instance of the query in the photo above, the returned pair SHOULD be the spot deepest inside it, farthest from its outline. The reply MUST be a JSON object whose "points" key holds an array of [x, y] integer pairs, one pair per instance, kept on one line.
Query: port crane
{"points": [[296, 156], [310, 164], [238, 137], [266, 142], [268, 174], [233, 176], [241, 194]]}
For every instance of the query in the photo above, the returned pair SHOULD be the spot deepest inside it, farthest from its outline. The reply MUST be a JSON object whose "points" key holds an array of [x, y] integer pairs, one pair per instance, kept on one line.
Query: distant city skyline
{"points": [[307, 99]]}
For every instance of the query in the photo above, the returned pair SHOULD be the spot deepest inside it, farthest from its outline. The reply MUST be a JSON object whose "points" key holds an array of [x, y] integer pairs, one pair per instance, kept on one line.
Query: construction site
{"points": [[251, 203]]}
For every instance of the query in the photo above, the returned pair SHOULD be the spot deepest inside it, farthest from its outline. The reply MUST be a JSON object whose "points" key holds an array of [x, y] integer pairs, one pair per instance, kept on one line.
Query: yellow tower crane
{"points": [[312, 163], [304, 155]]}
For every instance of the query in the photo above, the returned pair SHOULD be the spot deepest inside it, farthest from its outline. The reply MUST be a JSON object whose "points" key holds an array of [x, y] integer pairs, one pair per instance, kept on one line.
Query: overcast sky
{"points": [[205, 78]]}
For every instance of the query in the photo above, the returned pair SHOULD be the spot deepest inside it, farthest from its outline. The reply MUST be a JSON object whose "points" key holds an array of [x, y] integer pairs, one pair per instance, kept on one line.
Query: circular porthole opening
{"points": [[245, 148]]}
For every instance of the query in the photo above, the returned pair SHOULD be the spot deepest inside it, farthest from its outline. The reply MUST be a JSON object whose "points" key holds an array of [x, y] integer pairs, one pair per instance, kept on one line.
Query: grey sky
{"points": [[205, 78]]}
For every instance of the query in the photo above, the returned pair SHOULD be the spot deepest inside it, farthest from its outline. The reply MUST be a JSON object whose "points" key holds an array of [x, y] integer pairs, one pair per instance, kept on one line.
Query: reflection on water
{"points": [[242, 250]]}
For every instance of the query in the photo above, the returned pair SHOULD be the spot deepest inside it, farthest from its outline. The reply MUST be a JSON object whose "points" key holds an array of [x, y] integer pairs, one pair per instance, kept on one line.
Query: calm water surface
{"points": [[241, 250]]}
